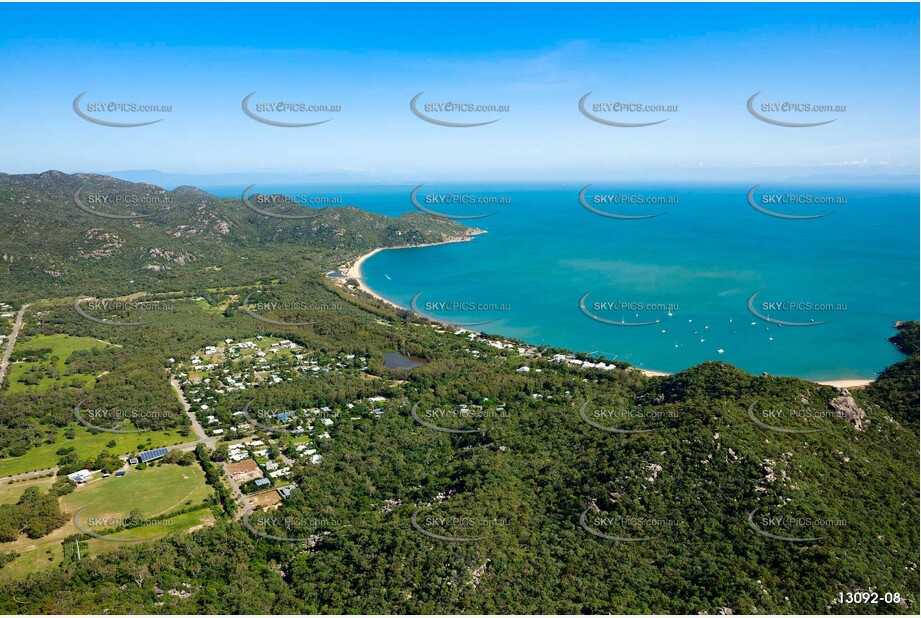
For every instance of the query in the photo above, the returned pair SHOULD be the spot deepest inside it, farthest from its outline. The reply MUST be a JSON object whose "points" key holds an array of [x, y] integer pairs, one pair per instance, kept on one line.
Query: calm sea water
{"points": [[690, 271]]}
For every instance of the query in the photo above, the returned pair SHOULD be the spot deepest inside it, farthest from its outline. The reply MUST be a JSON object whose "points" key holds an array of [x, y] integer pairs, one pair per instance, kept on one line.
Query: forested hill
{"points": [[535, 480], [896, 388], [676, 520], [61, 232]]}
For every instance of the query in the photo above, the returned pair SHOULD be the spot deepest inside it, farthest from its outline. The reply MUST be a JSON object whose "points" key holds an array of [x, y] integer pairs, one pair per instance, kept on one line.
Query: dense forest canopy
{"points": [[490, 479]]}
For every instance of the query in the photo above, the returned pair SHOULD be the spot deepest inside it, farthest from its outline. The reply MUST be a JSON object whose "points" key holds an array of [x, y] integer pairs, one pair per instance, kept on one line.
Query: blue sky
{"points": [[539, 59]]}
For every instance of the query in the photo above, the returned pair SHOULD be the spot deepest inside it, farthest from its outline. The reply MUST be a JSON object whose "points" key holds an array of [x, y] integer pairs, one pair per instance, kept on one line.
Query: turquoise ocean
{"points": [[671, 291]]}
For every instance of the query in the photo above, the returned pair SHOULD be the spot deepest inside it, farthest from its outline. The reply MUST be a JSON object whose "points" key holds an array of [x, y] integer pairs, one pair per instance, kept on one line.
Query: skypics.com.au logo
{"points": [[291, 528], [624, 528], [770, 111], [769, 203], [107, 527], [455, 528], [284, 108], [434, 202], [641, 312], [605, 112], [255, 309], [435, 112], [774, 418], [768, 310], [92, 111], [605, 418], [455, 306], [121, 307], [602, 203], [93, 202], [257, 202], [792, 529], [438, 419], [111, 420]]}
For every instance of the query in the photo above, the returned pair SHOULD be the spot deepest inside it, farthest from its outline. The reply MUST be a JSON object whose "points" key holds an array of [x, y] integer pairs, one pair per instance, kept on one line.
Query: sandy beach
{"points": [[847, 383], [353, 271], [836, 383]]}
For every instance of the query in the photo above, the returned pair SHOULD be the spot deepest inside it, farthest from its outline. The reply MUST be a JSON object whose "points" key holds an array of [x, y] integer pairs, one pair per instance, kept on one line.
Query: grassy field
{"points": [[62, 346], [157, 490], [188, 522], [154, 491], [10, 493], [88, 445]]}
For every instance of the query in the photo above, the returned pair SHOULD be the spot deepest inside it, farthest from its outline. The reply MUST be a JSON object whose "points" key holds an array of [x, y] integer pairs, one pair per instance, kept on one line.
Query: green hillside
{"points": [[50, 246], [489, 479]]}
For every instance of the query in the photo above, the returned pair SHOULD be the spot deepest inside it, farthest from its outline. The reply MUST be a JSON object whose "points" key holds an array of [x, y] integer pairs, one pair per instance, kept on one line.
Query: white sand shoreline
{"points": [[852, 383], [354, 272], [847, 383]]}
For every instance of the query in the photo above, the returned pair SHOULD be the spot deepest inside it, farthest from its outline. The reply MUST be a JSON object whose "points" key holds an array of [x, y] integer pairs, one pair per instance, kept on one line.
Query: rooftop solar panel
{"points": [[154, 454]]}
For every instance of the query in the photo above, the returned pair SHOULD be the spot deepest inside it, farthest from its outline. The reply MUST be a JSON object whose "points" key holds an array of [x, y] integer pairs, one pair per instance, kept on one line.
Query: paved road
{"points": [[29, 475], [12, 341], [210, 441], [185, 446]]}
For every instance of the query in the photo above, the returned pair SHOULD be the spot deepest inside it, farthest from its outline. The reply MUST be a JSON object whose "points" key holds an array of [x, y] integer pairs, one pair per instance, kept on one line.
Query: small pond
{"points": [[395, 360]]}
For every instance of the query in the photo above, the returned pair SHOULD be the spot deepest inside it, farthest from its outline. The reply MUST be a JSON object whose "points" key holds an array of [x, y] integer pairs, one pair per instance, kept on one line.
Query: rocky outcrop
{"points": [[845, 407]]}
